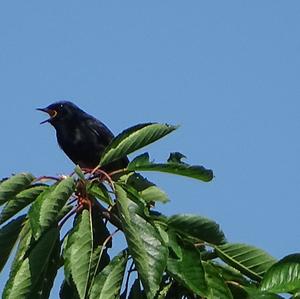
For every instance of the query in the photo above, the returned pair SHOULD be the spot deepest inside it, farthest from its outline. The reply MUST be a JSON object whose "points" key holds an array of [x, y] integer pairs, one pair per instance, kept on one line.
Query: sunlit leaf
{"points": [[20, 201], [163, 293], [133, 139], [197, 227], [78, 253], [144, 242], [13, 185], [284, 276], [251, 261], [147, 190], [189, 270], [45, 210]]}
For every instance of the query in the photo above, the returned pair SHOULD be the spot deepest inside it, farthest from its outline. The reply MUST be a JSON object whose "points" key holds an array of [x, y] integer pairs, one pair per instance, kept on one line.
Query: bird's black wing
{"points": [[101, 132], [104, 137]]}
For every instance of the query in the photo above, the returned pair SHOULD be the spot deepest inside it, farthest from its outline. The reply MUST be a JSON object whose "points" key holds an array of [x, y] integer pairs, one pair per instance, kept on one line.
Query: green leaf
{"points": [[254, 293], [108, 282], [133, 139], [13, 185], [217, 288], [296, 295], [24, 281], [153, 194], [142, 163], [251, 261], [241, 292], [95, 189], [78, 253], [189, 270], [101, 243], [45, 210], [24, 245], [20, 201], [176, 158], [231, 274], [46, 280], [174, 244], [8, 237], [79, 172], [197, 227], [163, 293], [144, 243], [284, 276], [148, 191]]}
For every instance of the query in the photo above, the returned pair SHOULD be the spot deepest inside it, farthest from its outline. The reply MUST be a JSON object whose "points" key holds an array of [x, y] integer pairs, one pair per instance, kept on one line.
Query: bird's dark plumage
{"points": [[81, 136]]}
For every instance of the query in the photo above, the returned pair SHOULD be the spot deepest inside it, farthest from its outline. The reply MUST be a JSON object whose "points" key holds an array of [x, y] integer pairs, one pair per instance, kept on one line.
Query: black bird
{"points": [[81, 136]]}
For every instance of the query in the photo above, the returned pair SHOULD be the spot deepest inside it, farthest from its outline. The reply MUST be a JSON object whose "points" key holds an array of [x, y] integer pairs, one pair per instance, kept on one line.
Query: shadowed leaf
{"points": [[148, 191], [142, 163], [217, 288], [197, 227], [189, 270], [8, 237], [108, 282]]}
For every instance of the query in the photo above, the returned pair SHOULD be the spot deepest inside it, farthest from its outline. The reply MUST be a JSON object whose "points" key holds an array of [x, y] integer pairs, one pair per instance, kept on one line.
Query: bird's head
{"points": [[60, 111]]}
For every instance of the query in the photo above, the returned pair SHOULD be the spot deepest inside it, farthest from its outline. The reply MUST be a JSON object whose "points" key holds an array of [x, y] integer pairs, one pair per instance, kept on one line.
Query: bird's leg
{"points": [[107, 176], [95, 169]]}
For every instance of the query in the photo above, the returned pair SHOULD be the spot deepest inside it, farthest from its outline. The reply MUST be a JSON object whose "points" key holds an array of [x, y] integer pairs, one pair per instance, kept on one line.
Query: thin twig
{"points": [[71, 213], [98, 171], [128, 276], [101, 252], [118, 171]]}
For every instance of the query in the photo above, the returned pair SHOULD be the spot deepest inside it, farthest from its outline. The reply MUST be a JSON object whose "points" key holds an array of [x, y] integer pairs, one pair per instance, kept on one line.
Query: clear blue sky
{"points": [[227, 71]]}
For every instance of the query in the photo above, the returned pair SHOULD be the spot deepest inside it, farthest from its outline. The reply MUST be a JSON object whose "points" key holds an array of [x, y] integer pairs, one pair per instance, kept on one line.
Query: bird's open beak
{"points": [[52, 114]]}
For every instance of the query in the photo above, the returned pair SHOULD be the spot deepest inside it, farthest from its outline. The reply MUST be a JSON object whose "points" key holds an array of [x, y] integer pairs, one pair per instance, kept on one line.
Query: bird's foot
{"points": [[101, 174]]}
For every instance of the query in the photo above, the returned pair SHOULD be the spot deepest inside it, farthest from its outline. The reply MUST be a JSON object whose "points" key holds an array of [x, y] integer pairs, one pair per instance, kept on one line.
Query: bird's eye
{"points": [[61, 105]]}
